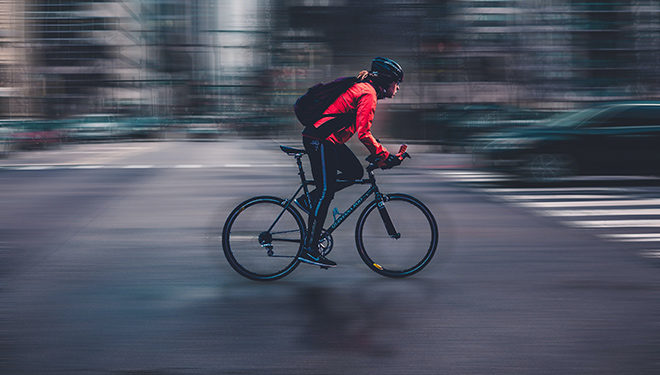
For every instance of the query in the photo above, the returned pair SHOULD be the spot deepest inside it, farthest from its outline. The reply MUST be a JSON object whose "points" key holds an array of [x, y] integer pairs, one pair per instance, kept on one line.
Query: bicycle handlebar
{"points": [[402, 154]]}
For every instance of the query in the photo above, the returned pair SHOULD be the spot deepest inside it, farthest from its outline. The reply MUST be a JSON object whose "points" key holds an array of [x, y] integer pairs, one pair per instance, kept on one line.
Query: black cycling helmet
{"points": [[386, 70]]}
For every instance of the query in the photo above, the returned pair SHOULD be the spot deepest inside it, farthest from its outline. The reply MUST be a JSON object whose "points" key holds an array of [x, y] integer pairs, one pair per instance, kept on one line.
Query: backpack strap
{"points": [[339, 122]]}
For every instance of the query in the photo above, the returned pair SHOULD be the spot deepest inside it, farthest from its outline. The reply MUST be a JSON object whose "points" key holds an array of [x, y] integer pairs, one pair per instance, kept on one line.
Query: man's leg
{"points": [[348, 165], [322, 159]]}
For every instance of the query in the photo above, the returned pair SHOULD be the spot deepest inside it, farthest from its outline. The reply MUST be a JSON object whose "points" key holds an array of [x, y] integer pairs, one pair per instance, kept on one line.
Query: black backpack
{"points": [[309, 108]]}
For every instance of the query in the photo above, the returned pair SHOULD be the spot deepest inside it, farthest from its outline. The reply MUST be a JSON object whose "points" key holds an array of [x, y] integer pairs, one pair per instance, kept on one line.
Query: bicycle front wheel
{"points": [[261, 240], [397, 237]]}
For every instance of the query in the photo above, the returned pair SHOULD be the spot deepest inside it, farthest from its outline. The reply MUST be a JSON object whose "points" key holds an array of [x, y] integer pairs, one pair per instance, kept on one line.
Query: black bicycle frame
{"points": [[380, 198]]}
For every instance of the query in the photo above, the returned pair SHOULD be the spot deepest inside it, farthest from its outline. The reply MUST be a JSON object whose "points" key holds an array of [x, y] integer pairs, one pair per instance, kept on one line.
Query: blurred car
{"points": [[454, 125], [609, 139], [466, 121], [31, 133], [200, 127], [97, 127], [146, 127], [5, 140]]}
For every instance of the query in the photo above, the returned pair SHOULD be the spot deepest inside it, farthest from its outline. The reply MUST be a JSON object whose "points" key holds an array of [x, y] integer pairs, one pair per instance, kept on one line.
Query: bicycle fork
{"points": [[387, 220]]}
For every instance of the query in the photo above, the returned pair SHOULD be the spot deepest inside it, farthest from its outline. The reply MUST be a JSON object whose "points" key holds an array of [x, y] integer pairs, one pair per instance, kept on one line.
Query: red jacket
{"points": [[361, 99]]}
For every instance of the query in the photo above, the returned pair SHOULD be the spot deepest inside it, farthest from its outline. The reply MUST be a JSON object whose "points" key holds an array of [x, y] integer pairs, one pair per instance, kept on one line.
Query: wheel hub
{"points": [[265, 238]]}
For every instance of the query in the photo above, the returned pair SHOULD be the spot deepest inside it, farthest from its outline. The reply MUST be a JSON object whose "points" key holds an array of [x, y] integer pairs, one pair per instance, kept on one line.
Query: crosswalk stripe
{"points": [[549, 190], [633, 237], [614, 223], [650, 253], [580, 202], [543, 197], [610, 203], [620, 212]]}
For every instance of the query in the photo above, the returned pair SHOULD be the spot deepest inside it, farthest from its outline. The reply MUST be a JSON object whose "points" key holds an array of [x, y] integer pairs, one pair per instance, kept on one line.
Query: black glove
{"points": [[373, 158], [391, 161]]}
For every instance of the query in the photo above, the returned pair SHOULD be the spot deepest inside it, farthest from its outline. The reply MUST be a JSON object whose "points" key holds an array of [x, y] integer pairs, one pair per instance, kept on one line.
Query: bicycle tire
{"points": [[245, 238], [403, 256]]}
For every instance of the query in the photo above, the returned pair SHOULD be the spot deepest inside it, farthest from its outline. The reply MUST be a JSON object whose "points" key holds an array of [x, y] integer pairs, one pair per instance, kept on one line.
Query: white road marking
{"points": [[610, 203], [575, 202], [188, 166], [35, 167], [620, 212], [633, 237], [137, 166], [104, 155], [545, 197], [549, 190], [650, 253], [87, 167], [468, 176], [614, 223], [245, 237]]}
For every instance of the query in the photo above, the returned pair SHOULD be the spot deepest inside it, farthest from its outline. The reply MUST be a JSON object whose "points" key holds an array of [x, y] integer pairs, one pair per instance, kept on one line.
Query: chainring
{"points": [[325, 243]]}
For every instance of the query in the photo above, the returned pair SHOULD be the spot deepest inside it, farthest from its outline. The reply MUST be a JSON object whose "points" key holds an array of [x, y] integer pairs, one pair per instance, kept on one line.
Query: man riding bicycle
{"points": [[331, 160]]}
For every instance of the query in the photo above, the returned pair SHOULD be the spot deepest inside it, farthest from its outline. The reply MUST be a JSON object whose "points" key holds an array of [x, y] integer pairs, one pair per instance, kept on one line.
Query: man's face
{"points": [[392, 90]]}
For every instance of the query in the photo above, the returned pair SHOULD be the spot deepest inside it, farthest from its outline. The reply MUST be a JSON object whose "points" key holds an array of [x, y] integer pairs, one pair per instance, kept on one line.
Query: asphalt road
{"points": [[110, 263]]}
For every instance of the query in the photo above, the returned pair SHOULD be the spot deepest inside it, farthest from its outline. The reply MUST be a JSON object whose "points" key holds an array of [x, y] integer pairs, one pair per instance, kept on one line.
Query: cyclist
{"points": [[331, 160]]}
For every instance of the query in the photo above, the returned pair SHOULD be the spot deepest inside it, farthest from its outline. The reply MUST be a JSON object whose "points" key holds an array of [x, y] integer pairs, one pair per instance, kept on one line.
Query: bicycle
{"points": [[263, 236]]}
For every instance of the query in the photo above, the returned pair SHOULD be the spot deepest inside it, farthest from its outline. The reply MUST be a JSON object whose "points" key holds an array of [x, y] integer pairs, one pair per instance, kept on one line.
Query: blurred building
{"points": [[67, 57], [239, 44], [13, 60], [71, 56], [525, 52], [245, 61]]}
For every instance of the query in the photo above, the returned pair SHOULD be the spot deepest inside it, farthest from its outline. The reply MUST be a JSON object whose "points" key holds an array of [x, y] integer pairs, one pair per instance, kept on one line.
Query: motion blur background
{"points": [[74, 70], [111, 255]]}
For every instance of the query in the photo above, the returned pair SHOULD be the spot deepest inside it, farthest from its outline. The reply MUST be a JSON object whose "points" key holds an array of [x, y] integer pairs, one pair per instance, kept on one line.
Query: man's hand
{"points": [[390, 162]]}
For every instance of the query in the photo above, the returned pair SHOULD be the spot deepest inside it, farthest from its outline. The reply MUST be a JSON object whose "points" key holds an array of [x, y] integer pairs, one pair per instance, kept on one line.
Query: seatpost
{"points": [[301, 171]]}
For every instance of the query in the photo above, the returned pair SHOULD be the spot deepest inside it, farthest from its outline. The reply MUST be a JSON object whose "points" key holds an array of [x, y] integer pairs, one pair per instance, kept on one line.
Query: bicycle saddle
{"points": [[292, 151]]}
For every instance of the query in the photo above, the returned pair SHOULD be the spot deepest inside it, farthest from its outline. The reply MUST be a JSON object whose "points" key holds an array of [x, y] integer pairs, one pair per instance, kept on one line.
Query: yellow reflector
{"points": [[378, 266]]}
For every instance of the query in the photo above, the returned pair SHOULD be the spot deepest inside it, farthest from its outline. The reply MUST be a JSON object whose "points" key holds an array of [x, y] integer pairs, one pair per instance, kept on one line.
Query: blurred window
{"points": [[610, 117], [630, 116], [643, 116]]}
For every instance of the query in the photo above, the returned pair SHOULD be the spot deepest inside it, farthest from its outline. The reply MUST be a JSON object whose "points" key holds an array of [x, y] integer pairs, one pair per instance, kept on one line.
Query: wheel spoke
{"points": [[246, 233], [410, 249], [286, 231], [287, 240]]}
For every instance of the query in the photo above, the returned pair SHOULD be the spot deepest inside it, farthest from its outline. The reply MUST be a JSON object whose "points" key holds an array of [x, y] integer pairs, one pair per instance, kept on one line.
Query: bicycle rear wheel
{"points": [[261, 240], [406, 251]]}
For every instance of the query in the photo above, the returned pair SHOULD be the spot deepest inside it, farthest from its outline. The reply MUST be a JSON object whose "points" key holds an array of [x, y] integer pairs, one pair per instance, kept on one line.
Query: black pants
{"points": [[330, 162]]}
